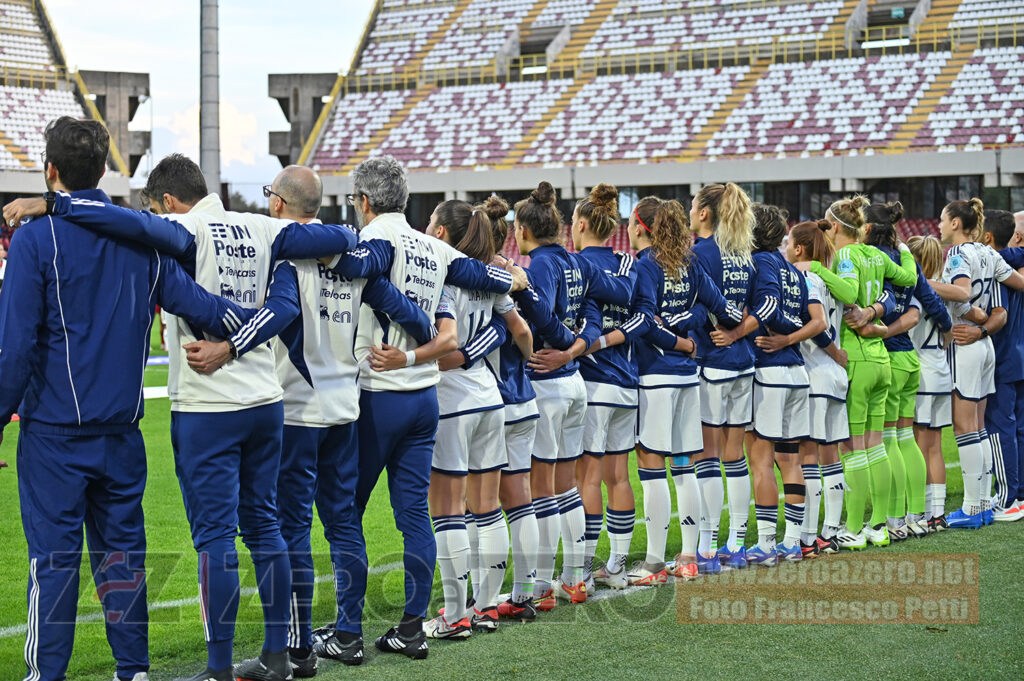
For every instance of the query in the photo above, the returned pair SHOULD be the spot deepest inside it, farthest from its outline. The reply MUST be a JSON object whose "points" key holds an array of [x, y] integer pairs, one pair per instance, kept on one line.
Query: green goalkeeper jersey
{"points": [[857, 278]]}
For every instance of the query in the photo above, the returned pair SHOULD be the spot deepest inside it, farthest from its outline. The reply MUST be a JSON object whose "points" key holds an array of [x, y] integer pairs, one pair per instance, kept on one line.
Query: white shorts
{"points": [[610, 424], [470, 443], [667, 420], [562, 403], [725, 397], [934, 411], [781, 403], [520, 433], [830, 423], [973, 367]]}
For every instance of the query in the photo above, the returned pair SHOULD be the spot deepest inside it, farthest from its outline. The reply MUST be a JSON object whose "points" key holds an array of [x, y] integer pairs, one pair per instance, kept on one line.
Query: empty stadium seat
{"points": [[354, 119], [983, 107], [973, 12], [841, 106], [400, 32], [24, 115], [477, 35]]}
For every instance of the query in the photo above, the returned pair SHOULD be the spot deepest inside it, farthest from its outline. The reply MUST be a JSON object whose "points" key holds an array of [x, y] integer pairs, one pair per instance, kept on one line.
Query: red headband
{"points": [[636, 214]]}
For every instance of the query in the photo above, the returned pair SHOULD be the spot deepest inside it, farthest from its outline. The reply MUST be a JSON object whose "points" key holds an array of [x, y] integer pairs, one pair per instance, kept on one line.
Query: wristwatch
{"points": [[984, 332], [50, 198], [232, 349]]}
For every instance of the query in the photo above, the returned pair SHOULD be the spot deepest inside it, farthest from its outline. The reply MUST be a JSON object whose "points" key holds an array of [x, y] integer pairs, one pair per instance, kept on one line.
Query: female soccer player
{"points": [[610, 376], [829, 424], [975, 268], [783, 318], [674, 288], [470, 439], [934, 408], [856, 278], [562, 282], [909, 473], [723, 223]]}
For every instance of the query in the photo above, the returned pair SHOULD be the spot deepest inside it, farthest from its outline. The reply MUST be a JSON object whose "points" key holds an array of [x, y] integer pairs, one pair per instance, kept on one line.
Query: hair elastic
{"points": [[636, 214]]}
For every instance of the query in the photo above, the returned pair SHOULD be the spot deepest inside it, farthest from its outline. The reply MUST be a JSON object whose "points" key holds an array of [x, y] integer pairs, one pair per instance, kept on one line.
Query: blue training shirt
{"points": [[616, 364], [781, 298], [734, 280], [1009, 341], [931, 305]]}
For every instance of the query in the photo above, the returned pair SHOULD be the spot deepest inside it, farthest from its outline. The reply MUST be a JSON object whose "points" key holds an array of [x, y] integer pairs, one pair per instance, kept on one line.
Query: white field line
{"points": [[246, 592]]}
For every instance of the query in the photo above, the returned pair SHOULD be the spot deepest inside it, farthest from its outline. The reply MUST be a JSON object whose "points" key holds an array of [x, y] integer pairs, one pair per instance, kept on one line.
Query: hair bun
{"points": [[495, 207], [860, 202], [544, 194], [605, 196], [977, 206], [895, 212], [823, 225]]}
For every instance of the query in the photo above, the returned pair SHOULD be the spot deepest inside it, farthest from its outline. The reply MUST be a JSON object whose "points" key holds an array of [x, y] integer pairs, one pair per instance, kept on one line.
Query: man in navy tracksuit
{"points": [[225, 428], [74, 338]]}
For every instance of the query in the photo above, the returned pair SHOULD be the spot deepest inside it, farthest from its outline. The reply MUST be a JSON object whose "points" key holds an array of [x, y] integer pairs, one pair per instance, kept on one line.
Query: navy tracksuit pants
{"points": [[67, 479], [396, 434], [1004, 421], [319, 464], [227, 465]]}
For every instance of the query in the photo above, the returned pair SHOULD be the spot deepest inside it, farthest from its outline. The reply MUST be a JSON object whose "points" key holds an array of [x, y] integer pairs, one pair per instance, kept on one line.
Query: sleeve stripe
{"points": [[734, 312], [767, 308], [632, 323], [481, 342], [248, 332]]}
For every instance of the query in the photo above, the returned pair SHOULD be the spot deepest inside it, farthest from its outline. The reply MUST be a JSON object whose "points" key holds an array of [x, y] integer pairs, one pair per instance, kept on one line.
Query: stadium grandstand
{"points": [[800, 102], [36, 86]]}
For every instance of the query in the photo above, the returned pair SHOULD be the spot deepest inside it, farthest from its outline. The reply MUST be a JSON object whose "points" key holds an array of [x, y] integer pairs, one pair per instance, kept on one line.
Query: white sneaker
{"points": [[439, 628], [916, 528], [647, 574], [897, 529], [141, 676], [851, 541], [879, 537], [1008, 515], [613, 579]]}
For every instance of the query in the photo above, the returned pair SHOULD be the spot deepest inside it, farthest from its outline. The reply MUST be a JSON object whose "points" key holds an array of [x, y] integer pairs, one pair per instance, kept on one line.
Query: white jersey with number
{"points": [[466, 390], [984, 268], [936, 378], [233, 260]]}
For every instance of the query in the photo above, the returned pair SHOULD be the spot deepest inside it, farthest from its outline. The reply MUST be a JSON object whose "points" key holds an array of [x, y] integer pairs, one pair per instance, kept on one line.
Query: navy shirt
{"points": [[1009, 342], [931, 305], [734, 280], [780, 295]]}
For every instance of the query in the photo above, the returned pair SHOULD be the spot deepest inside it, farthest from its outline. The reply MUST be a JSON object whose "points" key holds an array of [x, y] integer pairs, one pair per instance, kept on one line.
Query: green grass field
{"points": [[636, 635]]}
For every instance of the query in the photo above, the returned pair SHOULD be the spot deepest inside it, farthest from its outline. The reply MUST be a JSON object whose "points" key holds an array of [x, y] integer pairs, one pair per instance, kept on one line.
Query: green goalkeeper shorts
{"points": [[865, 400], [901, 400]]}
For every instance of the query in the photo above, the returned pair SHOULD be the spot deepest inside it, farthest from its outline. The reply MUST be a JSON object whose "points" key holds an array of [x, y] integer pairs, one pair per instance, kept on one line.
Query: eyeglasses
{"points": [[42, 158], [267, 192], [351, 199]]}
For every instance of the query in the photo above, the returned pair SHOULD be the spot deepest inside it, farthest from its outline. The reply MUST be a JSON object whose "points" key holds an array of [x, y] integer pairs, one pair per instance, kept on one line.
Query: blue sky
{"points": [[256, 38]]}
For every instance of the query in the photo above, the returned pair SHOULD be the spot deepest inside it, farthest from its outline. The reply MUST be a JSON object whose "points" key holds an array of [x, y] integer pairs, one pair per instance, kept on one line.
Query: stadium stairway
{"points": [[413, 66], [836, 32], [526, 25], [929, 100], [378, 137], [695, 149], [936, 22], [582, 34], [17, 152], [541, 125]]}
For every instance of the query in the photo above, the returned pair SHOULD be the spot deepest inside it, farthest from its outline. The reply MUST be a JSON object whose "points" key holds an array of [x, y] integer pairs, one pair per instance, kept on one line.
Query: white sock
{"points": [[593, 533], [574, 530], [812, 482], [767, 517], [453, 560], [546, 509], [657, 505], [794, 525], [687, 507], [939, 499], [737, 480], [712, 498], [492, 557], [522, 523], [833, 486], [971, 465], [620, 535], [928, 500], [474, 552], [987, 464]]}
